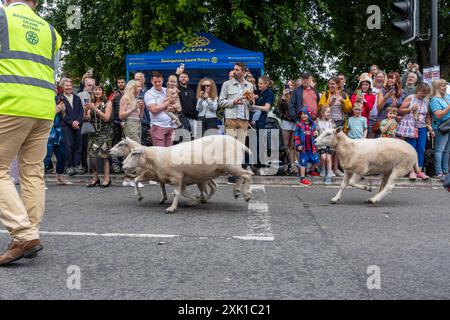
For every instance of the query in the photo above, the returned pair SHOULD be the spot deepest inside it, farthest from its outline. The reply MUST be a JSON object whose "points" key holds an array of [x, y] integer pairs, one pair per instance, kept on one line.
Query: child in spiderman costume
{"points": [[304, 134]]}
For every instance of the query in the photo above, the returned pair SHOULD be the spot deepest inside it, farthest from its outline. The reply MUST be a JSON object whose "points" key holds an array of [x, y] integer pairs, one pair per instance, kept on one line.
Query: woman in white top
{"points": [[207, 102]]}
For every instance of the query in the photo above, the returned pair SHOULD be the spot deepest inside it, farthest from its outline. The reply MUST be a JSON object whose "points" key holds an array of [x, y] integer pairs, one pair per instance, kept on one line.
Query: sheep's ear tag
{"points": [[338, 129]]}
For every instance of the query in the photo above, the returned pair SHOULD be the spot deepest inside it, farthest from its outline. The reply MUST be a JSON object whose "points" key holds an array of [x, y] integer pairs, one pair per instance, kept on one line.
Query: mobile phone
{"points": [[141, 98], [392, 88], [182, 65], [203, 88], [60, 99], [286, 86]]}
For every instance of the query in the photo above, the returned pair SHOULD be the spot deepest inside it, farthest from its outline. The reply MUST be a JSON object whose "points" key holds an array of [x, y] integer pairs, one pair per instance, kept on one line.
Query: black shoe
{"points": [[93, 184], [103, 185], [71, 172], [232, 180]]}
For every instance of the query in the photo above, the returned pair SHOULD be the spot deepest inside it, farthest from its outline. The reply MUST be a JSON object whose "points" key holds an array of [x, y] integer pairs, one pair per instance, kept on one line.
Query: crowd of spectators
{"points": [[386, 105]]}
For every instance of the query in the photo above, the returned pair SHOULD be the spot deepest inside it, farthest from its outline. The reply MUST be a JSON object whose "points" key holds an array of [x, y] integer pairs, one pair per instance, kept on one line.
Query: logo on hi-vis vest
{"points": [[32, 37]]}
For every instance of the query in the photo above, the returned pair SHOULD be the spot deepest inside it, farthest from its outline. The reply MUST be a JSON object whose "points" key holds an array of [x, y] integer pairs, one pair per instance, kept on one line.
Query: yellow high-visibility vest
{"points": [[28, 46]]}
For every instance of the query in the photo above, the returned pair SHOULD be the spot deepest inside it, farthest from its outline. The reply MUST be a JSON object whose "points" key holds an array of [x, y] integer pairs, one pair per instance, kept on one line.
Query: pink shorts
{"points": [[161, 137]]}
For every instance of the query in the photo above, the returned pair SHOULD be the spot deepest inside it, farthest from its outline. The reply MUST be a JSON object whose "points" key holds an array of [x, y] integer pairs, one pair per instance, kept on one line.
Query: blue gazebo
{"points": [[203, 56]]}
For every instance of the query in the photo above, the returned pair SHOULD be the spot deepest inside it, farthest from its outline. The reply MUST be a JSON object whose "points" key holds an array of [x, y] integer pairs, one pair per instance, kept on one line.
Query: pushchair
{"points": [[281, 163]]}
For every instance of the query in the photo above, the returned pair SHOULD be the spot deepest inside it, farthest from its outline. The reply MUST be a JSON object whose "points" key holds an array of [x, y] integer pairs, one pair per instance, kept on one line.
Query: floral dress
{"points": [[100, 141]]}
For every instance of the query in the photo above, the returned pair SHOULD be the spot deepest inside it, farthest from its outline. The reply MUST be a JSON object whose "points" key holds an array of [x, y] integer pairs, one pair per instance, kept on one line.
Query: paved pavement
{"points": [[287, 243], [272, 180]]}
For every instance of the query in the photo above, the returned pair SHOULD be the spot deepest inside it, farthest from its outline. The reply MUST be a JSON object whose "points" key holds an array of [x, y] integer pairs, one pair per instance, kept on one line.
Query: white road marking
{"points": [[259, 225], [93, 234], [254, 237]]}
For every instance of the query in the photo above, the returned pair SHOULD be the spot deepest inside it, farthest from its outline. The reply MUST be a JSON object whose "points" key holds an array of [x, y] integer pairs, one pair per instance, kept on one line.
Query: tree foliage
{"points": [[320, 36]]}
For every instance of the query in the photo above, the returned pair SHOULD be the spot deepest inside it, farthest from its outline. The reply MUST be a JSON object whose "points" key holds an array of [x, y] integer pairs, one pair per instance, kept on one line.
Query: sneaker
{"points": [[152, 182], [422, 176], [132, 184], [140, 185], [71, 172], [313, 174], [305, 182], [79, 170], [125, 183], [332, 174], [48, 170], [338, 173], [328, 180], [412, 175]]}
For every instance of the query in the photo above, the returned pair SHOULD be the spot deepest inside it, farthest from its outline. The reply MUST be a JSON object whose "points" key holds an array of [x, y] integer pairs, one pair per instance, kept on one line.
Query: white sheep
{"points": [[124, 147], [393, 158], [194, 162]]}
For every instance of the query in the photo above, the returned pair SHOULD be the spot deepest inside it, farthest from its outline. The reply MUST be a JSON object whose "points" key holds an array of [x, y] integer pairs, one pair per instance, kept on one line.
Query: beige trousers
{"points": [[236, 128], [26, 139]]}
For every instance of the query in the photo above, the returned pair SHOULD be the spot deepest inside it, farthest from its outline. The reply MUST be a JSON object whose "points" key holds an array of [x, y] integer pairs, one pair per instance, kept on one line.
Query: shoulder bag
{"points": [[87, 127], [444, 127]]}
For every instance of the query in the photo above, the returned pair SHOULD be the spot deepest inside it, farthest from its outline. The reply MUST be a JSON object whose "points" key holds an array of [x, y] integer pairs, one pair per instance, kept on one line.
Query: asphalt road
{"points": [[287, 243]]}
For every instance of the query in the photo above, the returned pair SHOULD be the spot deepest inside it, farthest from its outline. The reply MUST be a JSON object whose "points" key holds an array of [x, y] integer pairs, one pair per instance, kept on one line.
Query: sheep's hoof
{"points": [[248, 198], [369, 189], [334, 201], [192, 203], [162, 201], [236, 195], [170, 210], [370, 201], [204, 200], [140, 198]]}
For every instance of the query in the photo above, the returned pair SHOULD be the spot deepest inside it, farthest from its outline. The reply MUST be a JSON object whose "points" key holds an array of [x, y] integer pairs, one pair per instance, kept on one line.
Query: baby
{"points": [[172, 93]]}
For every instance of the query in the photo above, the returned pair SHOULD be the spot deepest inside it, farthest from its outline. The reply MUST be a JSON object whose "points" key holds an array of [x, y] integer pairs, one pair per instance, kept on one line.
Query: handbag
{"points": [[87, 127], [444, 127]]}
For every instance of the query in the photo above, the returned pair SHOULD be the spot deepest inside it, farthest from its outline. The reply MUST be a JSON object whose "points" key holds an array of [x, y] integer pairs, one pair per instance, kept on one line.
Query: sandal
{"points": [[103, 185], [93, 184], [64, 183]]}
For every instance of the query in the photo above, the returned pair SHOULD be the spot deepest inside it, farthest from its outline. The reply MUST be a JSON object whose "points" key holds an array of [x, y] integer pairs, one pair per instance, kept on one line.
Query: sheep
{"points": [[197, 161], [124, 147], [393, 158]]}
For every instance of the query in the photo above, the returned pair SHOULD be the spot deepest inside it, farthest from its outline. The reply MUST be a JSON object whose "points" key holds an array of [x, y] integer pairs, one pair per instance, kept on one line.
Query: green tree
{"points": [[320, 36], [110, 29], [357, 47]]}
